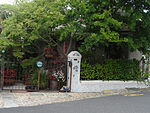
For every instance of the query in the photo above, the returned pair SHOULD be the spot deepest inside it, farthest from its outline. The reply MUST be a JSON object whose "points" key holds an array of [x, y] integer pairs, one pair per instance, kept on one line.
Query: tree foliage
{"points": [[135, 16], [94, 23], [112, 21], [34, 23], [6, 11], [42, 23]]}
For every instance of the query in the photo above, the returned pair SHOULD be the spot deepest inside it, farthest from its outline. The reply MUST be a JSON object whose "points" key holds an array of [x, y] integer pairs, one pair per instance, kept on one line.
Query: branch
{"points": [[52, 40], [70, 44]]}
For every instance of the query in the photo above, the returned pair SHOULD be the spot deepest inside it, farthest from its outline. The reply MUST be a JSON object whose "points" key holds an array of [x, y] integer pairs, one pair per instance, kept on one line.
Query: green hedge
{"points": [[112, 70]]}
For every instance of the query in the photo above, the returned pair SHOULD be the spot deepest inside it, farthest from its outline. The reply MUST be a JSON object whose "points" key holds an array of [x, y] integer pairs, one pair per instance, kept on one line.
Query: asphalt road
{"points": [[110, 104]]}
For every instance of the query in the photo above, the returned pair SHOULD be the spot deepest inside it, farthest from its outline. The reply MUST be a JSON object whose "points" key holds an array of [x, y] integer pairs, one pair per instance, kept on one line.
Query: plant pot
{"points": [[31, 88], [53, 85]]}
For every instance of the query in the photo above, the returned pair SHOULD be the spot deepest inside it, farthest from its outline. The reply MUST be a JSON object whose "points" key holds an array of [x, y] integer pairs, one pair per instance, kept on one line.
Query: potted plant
{"points": [[56, 80], [53, 82], [43, 79]]}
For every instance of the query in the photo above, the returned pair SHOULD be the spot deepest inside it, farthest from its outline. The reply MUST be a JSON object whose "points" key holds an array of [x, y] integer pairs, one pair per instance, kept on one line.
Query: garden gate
{"points": [[50, 77], [11, 77], [56, 69]]}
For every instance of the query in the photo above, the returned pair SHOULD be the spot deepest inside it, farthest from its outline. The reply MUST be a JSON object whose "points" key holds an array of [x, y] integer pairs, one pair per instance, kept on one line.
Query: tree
{"points": [[92, 22], [112, 21], [43, 23], [33, 26], [6, 11], [135, 16]]}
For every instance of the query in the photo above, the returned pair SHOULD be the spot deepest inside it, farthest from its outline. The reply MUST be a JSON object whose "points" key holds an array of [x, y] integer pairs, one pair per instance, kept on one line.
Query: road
{"points": [[109, 104]]}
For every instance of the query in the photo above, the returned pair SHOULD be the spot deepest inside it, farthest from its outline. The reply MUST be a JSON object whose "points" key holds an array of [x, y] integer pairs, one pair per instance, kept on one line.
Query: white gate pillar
{"points": [[73, 70]]}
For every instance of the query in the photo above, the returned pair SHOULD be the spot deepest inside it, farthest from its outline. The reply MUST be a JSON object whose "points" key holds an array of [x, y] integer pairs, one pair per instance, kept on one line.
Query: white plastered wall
{"points": [[73, 76]]}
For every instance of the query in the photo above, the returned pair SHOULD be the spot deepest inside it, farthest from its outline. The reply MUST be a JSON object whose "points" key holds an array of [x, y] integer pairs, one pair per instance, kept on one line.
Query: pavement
{"points": [[23, 98], [105, 104]]}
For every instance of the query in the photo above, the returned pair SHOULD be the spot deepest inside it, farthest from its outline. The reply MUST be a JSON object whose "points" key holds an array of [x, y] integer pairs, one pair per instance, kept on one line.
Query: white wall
{"points": [[98, 85]]}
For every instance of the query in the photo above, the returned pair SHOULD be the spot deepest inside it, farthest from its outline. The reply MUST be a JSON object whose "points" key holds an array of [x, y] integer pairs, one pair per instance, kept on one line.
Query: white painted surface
{"points": [[73, 70], [135, 55], [94, 85], [98, 85]]}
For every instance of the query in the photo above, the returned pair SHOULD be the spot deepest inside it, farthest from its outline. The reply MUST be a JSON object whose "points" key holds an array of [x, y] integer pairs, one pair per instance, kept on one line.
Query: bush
{"points": [[43, 78], [119, 69]]}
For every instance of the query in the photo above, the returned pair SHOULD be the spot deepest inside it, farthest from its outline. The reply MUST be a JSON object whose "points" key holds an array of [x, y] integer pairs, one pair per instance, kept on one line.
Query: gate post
{"points": [[73, 70], [2, 76]]}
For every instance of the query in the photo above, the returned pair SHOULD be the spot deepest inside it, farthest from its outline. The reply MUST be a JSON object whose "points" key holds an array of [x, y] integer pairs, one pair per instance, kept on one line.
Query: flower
{"points": [[10, 72], [51, 77], [57, 75]]}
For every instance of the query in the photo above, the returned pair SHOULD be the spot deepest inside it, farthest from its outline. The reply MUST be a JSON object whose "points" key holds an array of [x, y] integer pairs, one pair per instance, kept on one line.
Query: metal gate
{"points": [[11, 77], [55, 69], [50, 77]]}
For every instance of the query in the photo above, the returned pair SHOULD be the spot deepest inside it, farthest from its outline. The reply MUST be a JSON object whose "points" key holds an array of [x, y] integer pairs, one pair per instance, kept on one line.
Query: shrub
{"points": [[119, 69]]}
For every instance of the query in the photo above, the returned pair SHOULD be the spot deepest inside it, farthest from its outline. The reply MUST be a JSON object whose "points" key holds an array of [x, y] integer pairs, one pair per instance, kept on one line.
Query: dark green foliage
{"points": [[6, 11], [112, 70], [30, 63], [92, 22], [43, 78]]}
